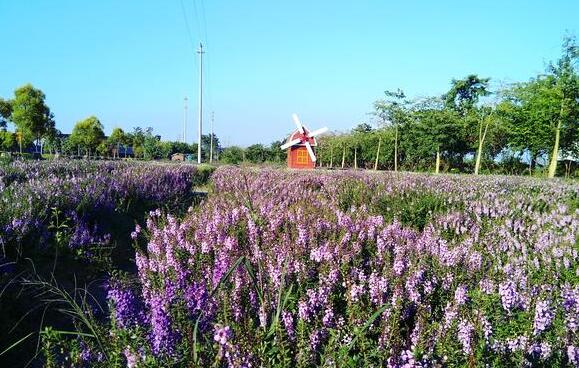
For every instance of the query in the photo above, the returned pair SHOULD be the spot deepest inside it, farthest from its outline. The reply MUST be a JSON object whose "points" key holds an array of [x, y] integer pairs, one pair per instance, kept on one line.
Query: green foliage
{"points": [[432, 128], [531, 110], [30, 114], [203, 174], [206, 146], [256, 153], [232, 155], [412, 209], [152, 148], [536, 110], [5, 112], [7, 141], [394, 109], [465, 93], [88, 134], [117, 139]]}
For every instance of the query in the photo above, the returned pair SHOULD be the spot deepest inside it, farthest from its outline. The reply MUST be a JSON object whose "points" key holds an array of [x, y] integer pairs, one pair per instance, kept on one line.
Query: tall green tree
{"points": [[117, 139], [275, 153], [567, 89], [256, 153], [30, 113], [434, 132], [463, 98], [394, 111], [206, 146], [88, 134], [530, 108], [137, 141], [486, 115], [152, 148], [53, 141], [543, 113]]}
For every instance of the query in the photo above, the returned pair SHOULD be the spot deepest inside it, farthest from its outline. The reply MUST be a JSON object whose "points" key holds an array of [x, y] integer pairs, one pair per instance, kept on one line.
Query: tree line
{"points": [[35, 131], [524, 126]]}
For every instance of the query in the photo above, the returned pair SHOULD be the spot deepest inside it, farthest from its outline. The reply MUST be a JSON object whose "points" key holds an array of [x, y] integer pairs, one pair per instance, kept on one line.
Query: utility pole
{"points": [[185, 121], [211, 149], [200, 128]]}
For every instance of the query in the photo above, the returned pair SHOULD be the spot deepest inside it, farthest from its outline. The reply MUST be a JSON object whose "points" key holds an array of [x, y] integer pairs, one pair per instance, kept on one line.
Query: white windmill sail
{"points": [[304, 138], [311, 151], [291, 143], [317, 132], [298, 123]]}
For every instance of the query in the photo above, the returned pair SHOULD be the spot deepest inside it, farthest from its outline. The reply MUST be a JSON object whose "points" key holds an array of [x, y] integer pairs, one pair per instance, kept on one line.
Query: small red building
{"points": [[301, 143], [298, 156]]}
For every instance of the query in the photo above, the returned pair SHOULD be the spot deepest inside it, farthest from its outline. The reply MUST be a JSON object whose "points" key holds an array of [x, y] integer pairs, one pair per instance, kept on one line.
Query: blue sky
{"points": [[132, 62]]}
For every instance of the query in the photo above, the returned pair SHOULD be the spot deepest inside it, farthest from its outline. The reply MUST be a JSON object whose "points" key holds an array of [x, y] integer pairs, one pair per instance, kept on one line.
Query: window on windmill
{"points": [[302, 156]]}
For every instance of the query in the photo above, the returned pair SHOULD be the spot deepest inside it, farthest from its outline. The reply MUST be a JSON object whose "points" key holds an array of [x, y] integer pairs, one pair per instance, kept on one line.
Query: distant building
{"points": [[177, 157]]}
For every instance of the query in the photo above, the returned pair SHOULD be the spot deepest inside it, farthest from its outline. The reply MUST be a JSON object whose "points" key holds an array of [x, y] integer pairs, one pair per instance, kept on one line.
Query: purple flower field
{"points": [[280, 268], [42, 201], [65, 225]]}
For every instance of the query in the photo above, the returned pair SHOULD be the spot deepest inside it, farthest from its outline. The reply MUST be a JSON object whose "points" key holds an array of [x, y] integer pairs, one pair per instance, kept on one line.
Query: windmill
{"points": [[300, 143]]}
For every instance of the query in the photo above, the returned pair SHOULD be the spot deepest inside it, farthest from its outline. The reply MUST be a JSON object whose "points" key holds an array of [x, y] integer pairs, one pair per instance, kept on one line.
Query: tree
{"points": [[330, 148], [152, 149], [206, 146], [256, 153], [137, 139], [5, 113], [463, 96], [102, 149], [53, 141], [7, 140], [165, 149], [30, 114], [529, 109], [88, 133], [362, 128], [433, 132], [567, 89], [275, 153], [465, 93], [232, 155], [485, 120], [116, 140], [393, 111], [542, 113], [182, 147]]}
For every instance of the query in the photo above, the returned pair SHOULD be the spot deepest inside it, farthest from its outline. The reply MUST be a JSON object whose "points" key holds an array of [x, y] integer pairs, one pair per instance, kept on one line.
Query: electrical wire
{"points": [[207, 57], [186, 19]]}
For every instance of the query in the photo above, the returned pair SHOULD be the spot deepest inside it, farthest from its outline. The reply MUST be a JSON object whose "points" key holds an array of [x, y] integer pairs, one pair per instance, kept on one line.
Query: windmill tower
{"points": [[301, 143]]}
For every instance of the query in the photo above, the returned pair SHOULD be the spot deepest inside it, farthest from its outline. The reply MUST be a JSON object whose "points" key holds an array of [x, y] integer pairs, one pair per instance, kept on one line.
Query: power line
{"points": [[208, 60], [204, 22], [197, 19], [203, 36], [184, 12]]}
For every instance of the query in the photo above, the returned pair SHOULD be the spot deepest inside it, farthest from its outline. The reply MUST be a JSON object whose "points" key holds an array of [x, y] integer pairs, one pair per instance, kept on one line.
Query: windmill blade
{"points": [[317, 132], [298, 123], [310, 151], [289, 144]]}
